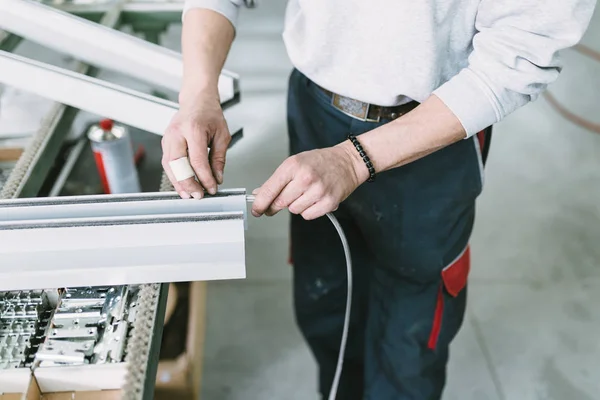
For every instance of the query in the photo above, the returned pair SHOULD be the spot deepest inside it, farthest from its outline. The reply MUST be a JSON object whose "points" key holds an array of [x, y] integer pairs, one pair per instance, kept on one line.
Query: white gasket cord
{"points": [[181, 169], [346, 246]]}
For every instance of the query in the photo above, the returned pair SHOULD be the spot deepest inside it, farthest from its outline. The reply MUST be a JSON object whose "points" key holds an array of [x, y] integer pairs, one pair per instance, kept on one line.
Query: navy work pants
{"points": [[409, 232]]}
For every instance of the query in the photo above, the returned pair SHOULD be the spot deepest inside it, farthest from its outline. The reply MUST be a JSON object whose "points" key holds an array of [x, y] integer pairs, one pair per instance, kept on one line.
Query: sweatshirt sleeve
{"points": [[515, 57], [228, 8]]}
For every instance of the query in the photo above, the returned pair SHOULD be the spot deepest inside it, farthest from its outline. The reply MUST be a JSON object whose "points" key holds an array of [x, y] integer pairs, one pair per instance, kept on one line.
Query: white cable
{"points": [[346, 246], [340, 364]]}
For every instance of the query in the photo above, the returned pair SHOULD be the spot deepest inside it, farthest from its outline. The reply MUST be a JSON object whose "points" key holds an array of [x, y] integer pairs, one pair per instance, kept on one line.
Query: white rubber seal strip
{"points": [[181, 169]]}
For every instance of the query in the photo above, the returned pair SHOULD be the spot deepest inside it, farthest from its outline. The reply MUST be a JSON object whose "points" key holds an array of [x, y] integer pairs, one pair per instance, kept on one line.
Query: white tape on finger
{"points": [[181, 169]]}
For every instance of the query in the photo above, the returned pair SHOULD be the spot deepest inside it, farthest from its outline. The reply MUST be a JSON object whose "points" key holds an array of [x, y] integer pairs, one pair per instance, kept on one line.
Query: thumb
{"points": [[218, 152]]}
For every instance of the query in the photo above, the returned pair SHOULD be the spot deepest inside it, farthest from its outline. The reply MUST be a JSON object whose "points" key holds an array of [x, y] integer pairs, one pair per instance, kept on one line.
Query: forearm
{"points": [[426, 129], [205, 41]]}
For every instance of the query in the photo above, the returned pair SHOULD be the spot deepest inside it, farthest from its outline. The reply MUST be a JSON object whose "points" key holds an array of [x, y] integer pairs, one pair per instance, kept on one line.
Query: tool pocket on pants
{"points": [[454, 280]]}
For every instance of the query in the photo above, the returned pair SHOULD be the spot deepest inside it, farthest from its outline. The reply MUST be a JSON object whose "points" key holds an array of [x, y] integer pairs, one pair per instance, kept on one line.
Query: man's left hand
{"points": [[312, 183]]}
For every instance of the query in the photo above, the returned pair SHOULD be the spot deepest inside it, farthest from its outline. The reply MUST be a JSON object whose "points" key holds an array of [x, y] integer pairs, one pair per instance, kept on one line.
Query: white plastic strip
{"points": [[116, 240], [138, 204], [100, 46], [14, 380], [108, 100], [124, 251], [80, 378]]}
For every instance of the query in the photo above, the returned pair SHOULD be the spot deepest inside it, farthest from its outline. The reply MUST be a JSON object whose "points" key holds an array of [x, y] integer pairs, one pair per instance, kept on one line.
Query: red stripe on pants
{"points": [[437, 319], [481, 139]]}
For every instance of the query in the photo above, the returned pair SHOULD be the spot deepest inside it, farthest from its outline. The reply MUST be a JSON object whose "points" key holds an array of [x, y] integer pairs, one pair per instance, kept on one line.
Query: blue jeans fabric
{"points": [[403, 229]]}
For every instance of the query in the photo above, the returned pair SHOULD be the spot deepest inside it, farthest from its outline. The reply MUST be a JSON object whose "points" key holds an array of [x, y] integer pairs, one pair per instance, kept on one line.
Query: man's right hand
{"points": [[198, 125]]}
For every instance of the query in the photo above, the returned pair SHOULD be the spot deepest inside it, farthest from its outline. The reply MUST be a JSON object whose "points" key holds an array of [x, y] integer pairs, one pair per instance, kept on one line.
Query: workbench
{"points": [[53, 164]]}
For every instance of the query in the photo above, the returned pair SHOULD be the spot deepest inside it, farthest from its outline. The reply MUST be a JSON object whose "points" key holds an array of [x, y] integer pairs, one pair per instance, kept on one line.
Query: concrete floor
{"points": [[531, 330]]}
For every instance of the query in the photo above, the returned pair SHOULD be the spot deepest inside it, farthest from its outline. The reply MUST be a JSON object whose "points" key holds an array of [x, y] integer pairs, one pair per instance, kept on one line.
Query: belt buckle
{"points": [[353, 108]]}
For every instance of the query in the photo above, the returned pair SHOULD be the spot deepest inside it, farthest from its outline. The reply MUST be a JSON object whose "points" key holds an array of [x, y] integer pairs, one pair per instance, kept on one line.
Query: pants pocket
{"points": [[454, 280], [454, 276]]}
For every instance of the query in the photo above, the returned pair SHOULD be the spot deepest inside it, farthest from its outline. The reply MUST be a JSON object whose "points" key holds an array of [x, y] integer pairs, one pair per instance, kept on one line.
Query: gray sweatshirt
{"points": [[483, 58]]}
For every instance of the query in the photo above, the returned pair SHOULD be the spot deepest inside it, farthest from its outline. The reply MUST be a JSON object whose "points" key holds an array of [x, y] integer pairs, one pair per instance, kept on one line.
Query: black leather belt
{"points": [[366, 111]]}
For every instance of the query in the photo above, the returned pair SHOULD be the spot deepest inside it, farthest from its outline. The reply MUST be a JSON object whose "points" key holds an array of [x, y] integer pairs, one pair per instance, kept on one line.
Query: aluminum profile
{"points": [[115, 205], [149, 238], [101, 46], [113, 101]]}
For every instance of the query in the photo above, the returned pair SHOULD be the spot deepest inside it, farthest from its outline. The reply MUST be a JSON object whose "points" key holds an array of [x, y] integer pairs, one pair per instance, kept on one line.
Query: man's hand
{"points": [[197, 125], [312, 183]]}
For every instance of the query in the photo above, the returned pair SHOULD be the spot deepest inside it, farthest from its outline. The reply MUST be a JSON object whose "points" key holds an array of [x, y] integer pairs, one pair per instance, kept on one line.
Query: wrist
{"points": [[194, 92], [361, 172]]}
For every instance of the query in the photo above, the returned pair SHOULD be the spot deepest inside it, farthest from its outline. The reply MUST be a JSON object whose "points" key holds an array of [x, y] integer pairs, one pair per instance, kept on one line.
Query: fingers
{"points": [[313, 204], [175, 147], [198, 153], [218, 152], [302, 203], [288, 195], [315, 211], [182, 193], [272, 188], [296, 188]]}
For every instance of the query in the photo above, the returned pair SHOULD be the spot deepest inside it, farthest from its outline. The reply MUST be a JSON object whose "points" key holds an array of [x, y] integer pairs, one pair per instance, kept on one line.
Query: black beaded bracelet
{"points": [[364, 156]]}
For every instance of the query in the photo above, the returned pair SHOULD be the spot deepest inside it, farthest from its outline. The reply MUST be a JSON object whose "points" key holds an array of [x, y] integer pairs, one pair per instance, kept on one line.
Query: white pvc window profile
{"points": [[109, 100], [133, 6], [101, 46], [119, 205], [79, 244]]}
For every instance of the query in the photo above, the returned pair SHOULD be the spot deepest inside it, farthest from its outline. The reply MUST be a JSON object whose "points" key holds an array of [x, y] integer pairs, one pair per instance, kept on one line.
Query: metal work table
{"points": [[51, 167]]}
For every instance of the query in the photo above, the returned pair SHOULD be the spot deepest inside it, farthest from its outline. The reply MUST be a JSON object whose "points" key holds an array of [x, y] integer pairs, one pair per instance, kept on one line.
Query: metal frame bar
{"points": [[133, 6], [155, 343], [101, 46], [138, 14], [68, 166], [128, 106]]}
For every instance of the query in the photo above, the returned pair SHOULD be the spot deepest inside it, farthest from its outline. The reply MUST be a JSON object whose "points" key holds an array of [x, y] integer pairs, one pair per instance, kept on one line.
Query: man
{"points": [[396, 93]]}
